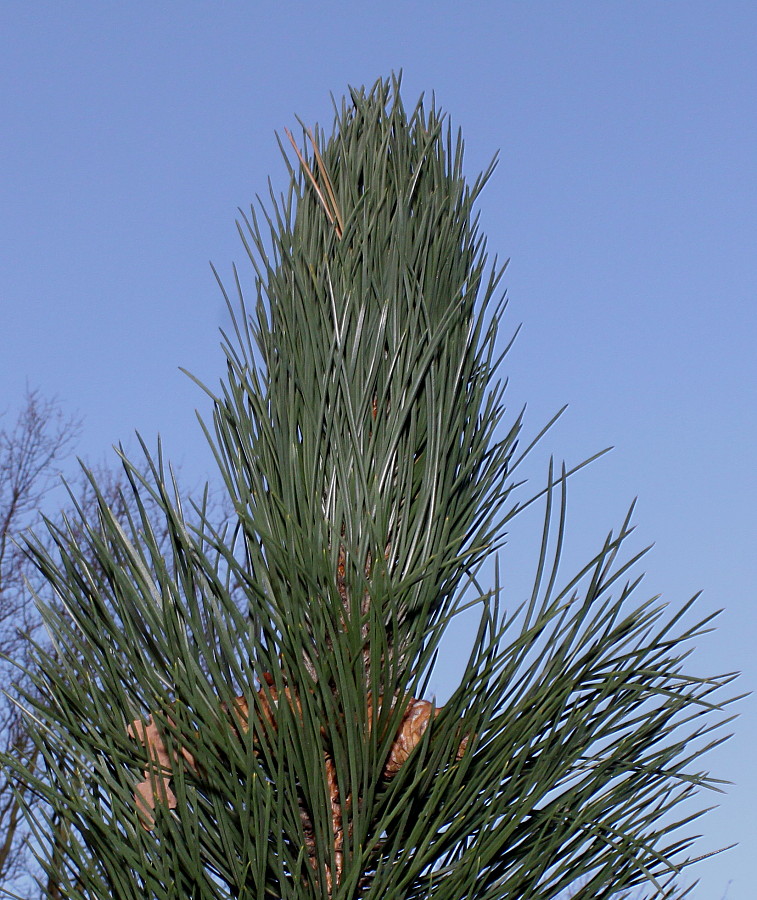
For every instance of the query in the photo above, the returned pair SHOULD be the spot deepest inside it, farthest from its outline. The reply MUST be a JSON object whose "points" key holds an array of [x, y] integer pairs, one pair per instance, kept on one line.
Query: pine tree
{"points": [[246, 715]]}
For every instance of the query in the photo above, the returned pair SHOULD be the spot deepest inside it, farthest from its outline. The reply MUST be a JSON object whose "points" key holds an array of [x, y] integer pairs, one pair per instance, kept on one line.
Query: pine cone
{"points": [[412, 728], [414, 724], [155, 786]]}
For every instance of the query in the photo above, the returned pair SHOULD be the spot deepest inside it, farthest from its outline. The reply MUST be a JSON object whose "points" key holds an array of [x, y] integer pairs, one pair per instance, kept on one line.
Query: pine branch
{"points": [[240, 712]]}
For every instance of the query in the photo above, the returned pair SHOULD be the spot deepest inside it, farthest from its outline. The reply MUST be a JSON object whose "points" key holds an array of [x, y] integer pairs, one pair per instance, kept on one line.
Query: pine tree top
{"points": [[239, 711]]}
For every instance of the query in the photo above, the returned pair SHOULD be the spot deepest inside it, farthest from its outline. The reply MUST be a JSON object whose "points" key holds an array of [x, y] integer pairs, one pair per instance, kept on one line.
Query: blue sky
{"points": [[626, 198]]}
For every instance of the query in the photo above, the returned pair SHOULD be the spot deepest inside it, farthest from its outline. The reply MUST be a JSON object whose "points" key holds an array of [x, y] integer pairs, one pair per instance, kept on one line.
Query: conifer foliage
{"points": [[247, 715]]}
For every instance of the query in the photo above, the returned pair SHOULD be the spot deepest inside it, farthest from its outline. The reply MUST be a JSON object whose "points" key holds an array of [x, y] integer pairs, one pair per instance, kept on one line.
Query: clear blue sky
{"points": [[626, 197]]}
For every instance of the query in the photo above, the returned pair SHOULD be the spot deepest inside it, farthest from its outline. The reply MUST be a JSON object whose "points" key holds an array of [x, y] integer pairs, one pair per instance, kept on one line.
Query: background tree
{"points": [[193, 745], [35, 449], [32, 449]]}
